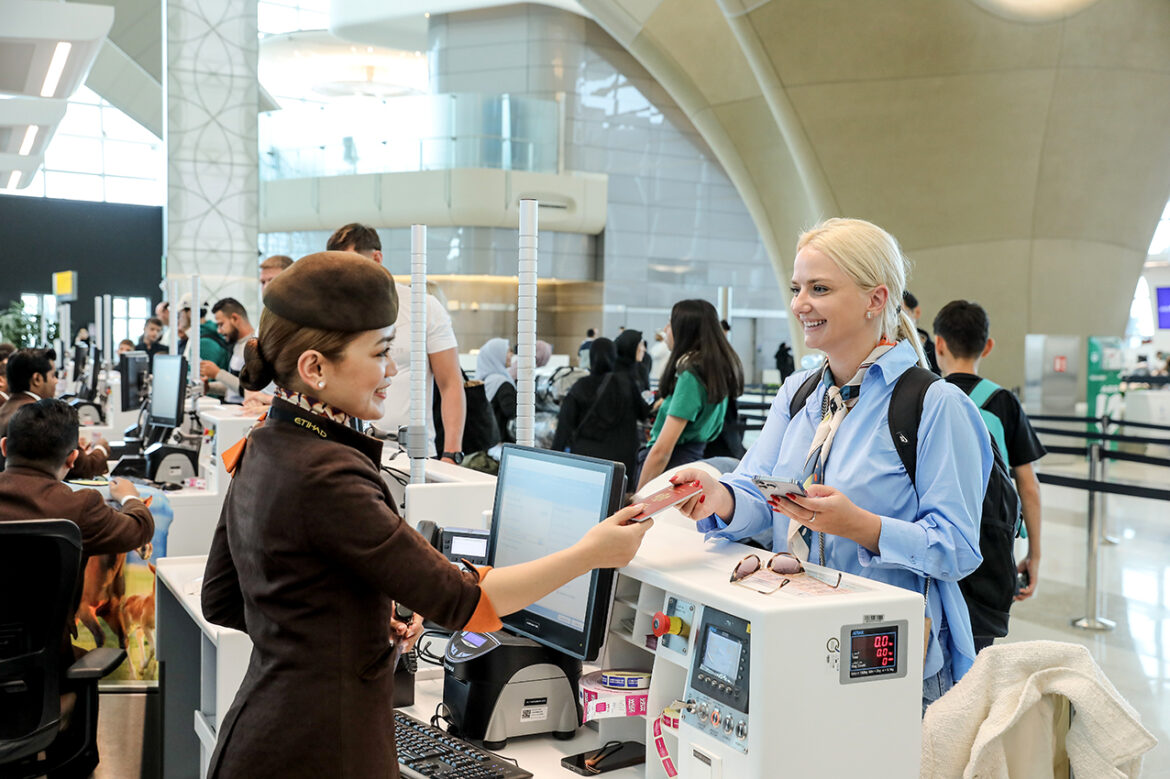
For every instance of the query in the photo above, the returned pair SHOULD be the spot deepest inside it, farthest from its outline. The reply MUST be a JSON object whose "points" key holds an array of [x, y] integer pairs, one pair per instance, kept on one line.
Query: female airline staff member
{"points": [[309, 554], [862, 514]]}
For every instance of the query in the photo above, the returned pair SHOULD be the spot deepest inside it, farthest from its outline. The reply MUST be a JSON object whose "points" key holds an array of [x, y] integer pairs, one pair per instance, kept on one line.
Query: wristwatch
{"points": [[455, 457]]}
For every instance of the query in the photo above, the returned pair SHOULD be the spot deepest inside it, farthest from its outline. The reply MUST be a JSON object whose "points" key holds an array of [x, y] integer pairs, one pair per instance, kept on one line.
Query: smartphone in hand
{"points": [[665, 498], [771, 486]]}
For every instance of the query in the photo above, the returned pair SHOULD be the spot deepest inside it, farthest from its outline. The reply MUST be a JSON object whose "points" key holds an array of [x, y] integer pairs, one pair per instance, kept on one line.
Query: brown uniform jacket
{"points": [[29, 493], [308, 557], [86, 466]]}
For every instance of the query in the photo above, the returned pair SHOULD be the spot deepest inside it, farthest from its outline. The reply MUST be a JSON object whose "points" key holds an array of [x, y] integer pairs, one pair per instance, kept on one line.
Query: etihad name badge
{"points": [[310, 426]]}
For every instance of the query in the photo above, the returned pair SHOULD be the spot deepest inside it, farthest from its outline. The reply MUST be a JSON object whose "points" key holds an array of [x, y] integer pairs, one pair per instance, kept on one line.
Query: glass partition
{"points": [[410, 133]]}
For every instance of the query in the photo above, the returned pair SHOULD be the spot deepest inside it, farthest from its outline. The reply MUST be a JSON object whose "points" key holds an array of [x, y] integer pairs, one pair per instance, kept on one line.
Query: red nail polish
{"points": [[790, 495], [695, 483], [702, 498]]}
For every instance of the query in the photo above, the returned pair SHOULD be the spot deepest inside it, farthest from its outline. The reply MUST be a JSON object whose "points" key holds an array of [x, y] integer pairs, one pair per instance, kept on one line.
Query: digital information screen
{"points": [[873, 651], [469, 546], [475, 639], [721, 655]]}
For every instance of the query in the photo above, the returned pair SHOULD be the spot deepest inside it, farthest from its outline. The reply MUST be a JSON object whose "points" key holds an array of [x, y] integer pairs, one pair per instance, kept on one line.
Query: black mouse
{"points": [[170, 486]]}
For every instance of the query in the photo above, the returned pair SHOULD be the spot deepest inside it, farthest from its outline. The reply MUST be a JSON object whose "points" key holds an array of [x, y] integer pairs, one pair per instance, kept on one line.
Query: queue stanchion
{"points": [[1102, 498], [1092, 619]]}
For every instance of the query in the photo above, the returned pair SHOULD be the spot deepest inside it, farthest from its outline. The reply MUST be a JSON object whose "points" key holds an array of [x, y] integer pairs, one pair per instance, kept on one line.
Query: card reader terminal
{"points": [[717, 689]]}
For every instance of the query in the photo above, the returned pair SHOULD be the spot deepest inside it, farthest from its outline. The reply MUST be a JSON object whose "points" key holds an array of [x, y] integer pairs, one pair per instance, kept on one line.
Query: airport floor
{"points": [[1134, 581]]}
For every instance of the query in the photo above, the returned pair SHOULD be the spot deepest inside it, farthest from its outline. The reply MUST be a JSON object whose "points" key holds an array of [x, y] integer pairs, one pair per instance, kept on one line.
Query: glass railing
{"points": [[410, 133]]}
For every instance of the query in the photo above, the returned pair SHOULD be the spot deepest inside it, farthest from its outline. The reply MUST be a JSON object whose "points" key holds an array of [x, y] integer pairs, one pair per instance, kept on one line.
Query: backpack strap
{"points": [[800, 397], [981, 395], [905, 414]]}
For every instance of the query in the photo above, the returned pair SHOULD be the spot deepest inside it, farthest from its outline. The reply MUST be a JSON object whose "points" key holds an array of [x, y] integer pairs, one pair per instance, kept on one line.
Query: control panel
{"points": [[717, 687]]}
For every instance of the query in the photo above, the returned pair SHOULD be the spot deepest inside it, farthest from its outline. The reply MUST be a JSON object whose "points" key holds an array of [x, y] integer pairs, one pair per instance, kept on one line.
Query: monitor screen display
{"points": [[168, 390], [132, 370], [1163, 308], [721, 655], [546, 501], [95, 371]]}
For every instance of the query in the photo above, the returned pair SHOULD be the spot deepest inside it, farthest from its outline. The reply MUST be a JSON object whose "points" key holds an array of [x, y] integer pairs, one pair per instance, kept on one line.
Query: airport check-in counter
{"points": [[808, 680], [196, 508]]}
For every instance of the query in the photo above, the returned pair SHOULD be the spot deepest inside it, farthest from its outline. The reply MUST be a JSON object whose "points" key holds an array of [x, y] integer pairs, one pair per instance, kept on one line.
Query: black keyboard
{"points": [[424, 751]]}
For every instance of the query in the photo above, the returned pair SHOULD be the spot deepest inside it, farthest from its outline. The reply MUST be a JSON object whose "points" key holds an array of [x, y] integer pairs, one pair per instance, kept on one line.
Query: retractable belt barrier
{"points": [[1096, 486]]}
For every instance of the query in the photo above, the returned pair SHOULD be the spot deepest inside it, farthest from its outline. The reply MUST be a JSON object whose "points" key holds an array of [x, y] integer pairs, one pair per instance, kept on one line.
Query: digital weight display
{"points": [[873, 651]]}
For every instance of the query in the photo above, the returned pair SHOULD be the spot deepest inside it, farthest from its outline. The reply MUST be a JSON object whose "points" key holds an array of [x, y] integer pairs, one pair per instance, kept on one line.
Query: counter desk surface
{"points": [[205, 665]]}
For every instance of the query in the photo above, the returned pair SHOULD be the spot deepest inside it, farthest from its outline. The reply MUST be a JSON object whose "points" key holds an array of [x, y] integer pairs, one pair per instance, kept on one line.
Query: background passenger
{"points": [[702, 372], [599, 415], [491, 367]]}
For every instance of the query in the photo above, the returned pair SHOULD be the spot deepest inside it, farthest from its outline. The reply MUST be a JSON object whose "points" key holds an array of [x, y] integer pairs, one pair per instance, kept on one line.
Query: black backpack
{"points": [[990, 589]]}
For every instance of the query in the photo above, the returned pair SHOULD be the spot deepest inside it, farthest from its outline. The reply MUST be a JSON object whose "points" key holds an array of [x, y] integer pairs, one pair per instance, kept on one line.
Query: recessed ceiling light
{"points": [[56, 68], [30, 137], [14, 179]]}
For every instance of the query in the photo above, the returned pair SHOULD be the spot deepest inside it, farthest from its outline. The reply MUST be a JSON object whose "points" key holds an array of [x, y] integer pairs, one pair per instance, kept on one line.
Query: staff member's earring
{"points": [[869, 315], [320, 385]]}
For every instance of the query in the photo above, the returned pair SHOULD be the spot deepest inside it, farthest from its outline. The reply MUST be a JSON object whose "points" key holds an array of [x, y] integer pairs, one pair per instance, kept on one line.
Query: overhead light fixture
{"points": [[14, 179], [30, 138], [47, 47], [56, 68]]}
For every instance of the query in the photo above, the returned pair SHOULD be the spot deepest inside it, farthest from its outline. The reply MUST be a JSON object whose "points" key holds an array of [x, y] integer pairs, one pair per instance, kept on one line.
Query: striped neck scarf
{"points": [[834, 407]]}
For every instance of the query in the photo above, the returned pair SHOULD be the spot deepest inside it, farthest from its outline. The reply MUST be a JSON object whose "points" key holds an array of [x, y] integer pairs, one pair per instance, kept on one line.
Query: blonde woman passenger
{"points": [[862, 513]]}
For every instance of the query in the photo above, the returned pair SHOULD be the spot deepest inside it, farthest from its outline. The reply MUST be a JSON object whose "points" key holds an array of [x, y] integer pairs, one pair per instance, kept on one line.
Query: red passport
{"points": [[665, 498]]}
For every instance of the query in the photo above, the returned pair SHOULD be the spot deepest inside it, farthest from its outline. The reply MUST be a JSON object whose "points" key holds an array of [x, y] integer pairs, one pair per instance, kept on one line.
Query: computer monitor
{"points": [[546, 501], [77, 369], [168, 390], [133, 368], [95, 372]]}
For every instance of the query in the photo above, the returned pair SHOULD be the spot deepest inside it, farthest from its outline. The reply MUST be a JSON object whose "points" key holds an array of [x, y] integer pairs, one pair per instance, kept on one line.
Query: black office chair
{"points": [[40, 562]]}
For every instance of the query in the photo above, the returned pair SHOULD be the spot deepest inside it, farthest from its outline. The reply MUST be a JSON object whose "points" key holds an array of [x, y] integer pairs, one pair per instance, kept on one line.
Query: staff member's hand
{"points": [[408, 633], [714, 499], [208, 370], [614, 541], [120, 489], [827, 510]]}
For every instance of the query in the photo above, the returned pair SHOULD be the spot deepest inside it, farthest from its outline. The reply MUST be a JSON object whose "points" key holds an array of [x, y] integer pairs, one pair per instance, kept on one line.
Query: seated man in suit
{"points": [[32, 375], [40, 448]]}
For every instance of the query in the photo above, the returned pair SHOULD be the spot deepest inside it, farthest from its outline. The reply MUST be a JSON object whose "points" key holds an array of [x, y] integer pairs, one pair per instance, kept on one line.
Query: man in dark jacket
{"points": [[32, 375], [40, 448]]}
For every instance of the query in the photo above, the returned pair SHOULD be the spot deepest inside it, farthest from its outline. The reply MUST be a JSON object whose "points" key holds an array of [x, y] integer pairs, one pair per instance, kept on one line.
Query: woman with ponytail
{"points": [[310, 554], [862, 514]]}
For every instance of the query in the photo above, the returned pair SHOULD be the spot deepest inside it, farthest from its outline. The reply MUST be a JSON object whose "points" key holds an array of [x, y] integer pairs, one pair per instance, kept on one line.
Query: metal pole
{"points": [[526, 326], [1102, 498], [417, 437], [98, 336], [108, 329], [193, 377], [1091, 620], [173, 299]]}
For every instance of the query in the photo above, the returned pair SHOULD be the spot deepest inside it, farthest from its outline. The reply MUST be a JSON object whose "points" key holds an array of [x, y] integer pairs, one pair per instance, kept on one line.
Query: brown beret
{"points": [[339, 291]]}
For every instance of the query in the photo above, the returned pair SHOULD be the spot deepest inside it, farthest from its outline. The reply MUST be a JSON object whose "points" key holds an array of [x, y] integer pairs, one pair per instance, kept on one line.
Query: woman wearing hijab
{"points": [[543, 355], [491, 367], [630, 351], [599, 415], [310, 553]]}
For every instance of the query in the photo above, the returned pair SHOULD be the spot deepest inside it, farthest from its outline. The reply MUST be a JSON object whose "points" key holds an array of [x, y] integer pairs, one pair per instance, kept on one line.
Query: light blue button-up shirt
{"points": [[932, 531]]}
